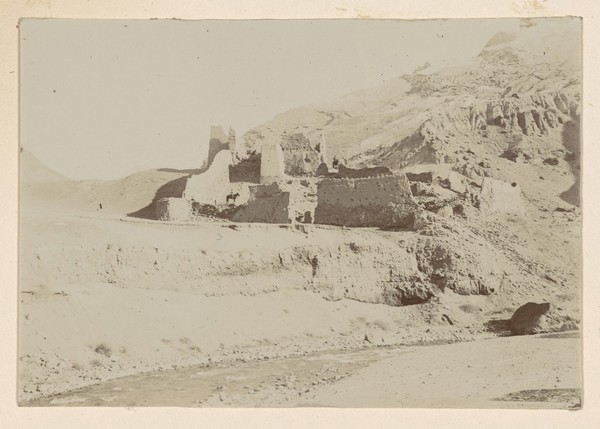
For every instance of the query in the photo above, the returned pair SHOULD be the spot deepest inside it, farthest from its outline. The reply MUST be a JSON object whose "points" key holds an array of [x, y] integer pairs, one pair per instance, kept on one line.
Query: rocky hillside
{"points": [[517, 101]]}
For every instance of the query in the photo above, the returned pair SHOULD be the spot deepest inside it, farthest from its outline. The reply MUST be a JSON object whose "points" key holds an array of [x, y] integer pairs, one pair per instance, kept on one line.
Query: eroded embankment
{"points": [[394, 268]]}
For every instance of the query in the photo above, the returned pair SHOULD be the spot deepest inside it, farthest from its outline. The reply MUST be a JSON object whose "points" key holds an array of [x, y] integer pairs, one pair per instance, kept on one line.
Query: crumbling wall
{"points": [[303, 198], [377, 201], [300, 158], [217, 143], [246, 170], [173, 209], [441, 174], [301, 162], [347, 172], [268, 204], [497, 196], [212, 186], [271, 163]]}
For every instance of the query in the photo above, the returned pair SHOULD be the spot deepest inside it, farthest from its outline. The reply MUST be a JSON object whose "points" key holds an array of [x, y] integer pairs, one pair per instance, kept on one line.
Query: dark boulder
{"points": [[322, 170], [529, 319], [551, 161]]}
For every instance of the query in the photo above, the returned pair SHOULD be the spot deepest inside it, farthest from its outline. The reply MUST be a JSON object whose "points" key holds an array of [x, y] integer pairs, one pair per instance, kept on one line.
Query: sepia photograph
{"points": [[348, 213]]}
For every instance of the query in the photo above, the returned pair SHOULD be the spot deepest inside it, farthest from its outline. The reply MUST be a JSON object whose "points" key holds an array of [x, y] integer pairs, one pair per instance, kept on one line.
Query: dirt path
{"points": [[528, 372]]}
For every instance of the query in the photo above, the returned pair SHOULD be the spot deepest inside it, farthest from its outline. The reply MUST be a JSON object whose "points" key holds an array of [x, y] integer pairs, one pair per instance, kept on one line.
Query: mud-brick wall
{"points": [[376, 201], [268, 204], [174, 209]]}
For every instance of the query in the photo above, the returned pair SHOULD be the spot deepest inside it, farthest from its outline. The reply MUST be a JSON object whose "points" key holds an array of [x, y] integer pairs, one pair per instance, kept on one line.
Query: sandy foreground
{"points": [[88, 339]]}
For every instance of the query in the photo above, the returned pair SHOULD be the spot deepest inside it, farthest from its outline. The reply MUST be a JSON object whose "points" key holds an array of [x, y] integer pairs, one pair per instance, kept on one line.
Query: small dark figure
{"points": [[335, 162], [315, 265], [232, 197], [307, 217], [100, 206]]}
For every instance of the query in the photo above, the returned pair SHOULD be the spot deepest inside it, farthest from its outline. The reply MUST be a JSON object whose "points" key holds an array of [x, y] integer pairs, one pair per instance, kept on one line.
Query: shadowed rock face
{"points": [[300, 158], [247, 170], [527, 319]]}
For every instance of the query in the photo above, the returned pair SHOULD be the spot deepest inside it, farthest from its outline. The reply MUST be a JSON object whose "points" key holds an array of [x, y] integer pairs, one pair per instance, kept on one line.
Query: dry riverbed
{"points": [[511, 372]]}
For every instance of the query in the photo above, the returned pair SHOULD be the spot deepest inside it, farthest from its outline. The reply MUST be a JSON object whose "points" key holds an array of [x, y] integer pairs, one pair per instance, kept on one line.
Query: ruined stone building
{"points": [[289, 181], [280, 185]]}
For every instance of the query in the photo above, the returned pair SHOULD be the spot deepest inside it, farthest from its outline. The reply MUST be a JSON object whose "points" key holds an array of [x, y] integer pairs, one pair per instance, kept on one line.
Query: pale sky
{"points": [[103, 99]]}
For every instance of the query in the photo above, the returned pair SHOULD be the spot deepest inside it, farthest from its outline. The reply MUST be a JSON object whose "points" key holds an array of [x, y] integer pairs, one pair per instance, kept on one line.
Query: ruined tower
{"points": [[232, 143], [323, 150], [271, 162], [218, 142]]}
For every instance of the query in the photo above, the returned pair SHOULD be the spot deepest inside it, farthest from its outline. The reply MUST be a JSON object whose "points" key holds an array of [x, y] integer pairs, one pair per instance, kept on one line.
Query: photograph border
{"points": [[21, 417]]}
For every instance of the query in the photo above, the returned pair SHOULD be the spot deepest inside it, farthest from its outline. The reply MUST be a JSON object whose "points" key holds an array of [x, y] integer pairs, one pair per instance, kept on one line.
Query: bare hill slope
{"points": [[436, 115], [43, 188], [33, 171]]}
